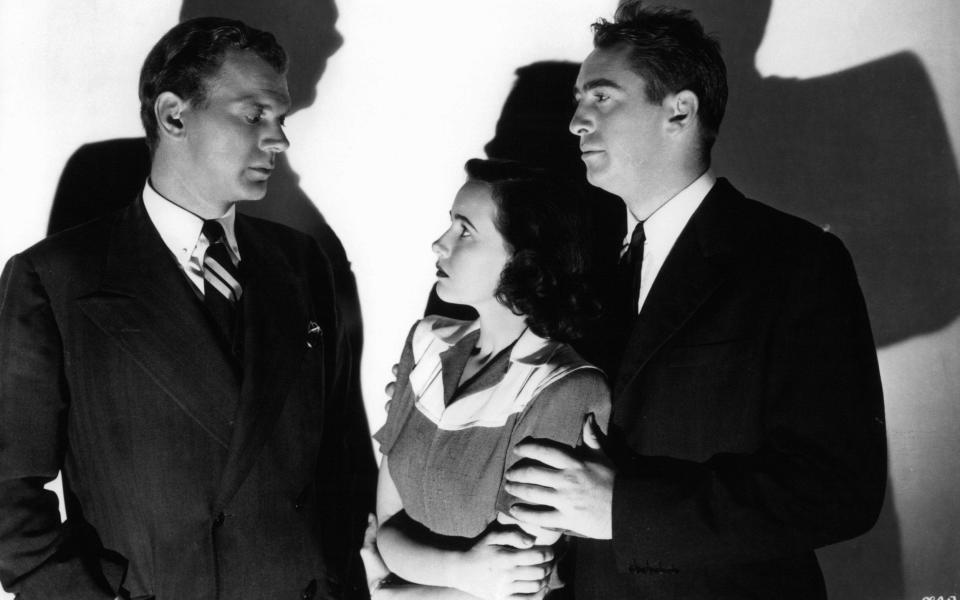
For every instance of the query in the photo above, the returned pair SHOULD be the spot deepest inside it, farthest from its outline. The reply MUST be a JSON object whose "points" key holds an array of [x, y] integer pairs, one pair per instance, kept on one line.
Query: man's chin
{"points": [[254, 191], [597, 177]]}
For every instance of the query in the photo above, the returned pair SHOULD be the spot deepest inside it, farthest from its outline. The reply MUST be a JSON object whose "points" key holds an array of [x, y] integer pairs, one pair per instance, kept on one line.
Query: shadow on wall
{"points": [[864, 152], [103, 176]]}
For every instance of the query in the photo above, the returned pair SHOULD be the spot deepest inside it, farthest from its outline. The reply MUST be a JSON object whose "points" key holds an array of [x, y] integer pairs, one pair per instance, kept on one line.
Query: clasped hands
{"points": [[503, 563]]}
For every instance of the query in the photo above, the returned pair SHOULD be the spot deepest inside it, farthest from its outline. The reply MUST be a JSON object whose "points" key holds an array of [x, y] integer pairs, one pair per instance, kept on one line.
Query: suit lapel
{"points": [[146, 304], [275, 334], [694, 269]]}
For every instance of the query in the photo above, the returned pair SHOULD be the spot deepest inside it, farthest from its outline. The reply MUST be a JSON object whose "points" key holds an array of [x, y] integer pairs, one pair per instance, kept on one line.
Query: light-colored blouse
{"points": [[449, 447]]}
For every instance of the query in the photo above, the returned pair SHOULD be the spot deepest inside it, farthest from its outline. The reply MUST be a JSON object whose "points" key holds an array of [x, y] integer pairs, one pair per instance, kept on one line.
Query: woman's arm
{"points": [[499, 563], [379, 577]]}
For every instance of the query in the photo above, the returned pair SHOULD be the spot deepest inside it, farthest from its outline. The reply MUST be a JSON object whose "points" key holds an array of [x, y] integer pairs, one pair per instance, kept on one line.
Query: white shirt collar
{"points": [[180, 228], [666, 223]]}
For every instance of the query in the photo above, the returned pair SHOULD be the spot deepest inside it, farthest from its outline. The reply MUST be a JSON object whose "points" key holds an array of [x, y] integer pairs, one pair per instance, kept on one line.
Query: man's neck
{"points": [[169, 183], [650, 196]]}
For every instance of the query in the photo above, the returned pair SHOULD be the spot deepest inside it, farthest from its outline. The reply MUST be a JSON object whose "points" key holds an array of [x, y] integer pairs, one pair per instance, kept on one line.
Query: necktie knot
{"points": [[213, 231], [219, 273]]}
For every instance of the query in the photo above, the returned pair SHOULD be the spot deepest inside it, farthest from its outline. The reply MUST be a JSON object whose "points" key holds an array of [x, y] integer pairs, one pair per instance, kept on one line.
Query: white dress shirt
{"points": [[180, 231], [663, 227]]}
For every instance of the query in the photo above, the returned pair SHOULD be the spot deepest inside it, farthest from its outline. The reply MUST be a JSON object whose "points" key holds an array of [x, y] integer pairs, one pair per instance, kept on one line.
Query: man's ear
{"points": [[683, 107], [168, 109]]}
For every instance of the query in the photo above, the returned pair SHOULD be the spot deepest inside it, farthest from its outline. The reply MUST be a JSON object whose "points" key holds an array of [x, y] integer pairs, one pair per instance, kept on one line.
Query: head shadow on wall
{"points": [[863, 152]]}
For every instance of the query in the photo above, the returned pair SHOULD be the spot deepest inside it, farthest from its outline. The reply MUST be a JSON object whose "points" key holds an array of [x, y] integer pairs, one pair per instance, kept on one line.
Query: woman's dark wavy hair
{"points": [[540, 219], [191, 53]]}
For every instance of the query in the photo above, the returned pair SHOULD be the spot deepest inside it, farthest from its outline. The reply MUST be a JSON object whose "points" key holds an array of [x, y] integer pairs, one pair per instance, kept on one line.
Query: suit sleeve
{"points": [[819, 473], [347, 472], [39, 556]]}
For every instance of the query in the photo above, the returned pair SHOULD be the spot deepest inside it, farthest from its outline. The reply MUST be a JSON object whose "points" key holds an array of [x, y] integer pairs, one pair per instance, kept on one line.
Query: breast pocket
{"points": [[698, 353]]}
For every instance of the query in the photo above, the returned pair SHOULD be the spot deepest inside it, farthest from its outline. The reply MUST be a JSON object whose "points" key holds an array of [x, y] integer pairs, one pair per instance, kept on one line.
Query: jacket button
{"points": [[334, 586], [218, 521], [310, 591]]}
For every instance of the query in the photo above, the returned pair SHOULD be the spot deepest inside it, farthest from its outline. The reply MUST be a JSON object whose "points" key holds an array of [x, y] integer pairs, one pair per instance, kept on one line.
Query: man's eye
{"points": [[254, 118], [600, 97]]}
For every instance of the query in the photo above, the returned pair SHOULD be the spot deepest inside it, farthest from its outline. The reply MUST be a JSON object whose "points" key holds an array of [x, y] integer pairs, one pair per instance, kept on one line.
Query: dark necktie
{"points": [[630, 264], [221, 281]]}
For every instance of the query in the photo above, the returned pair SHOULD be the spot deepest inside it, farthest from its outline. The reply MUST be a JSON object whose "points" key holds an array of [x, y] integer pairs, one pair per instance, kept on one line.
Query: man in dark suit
{"points": [[183, 366], [747, 427]]}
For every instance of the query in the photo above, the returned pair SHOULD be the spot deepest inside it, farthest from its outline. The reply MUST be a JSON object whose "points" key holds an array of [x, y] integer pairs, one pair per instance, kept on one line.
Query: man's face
{"points": [[233, 139], [621, 132]]}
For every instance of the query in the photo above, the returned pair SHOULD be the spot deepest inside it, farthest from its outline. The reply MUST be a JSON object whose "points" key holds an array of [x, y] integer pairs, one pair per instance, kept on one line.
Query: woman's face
{"points": [[471, 254]]}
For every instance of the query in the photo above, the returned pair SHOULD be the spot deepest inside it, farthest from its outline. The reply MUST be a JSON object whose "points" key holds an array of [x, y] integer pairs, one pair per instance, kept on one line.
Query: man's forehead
{"points": [[245, 76], [606, 65]]}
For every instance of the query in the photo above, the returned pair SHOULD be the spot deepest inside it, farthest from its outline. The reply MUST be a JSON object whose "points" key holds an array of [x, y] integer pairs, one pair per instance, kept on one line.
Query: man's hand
{"points": [[390, 387], [504, 564], [568, 490]]}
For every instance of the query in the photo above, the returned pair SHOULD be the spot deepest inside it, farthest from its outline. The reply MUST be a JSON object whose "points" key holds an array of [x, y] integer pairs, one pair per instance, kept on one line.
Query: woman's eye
{"points": [[464, 232]]}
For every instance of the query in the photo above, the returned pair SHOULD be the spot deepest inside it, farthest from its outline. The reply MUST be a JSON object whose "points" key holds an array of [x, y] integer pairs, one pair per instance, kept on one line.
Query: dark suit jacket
{"points": [[747, 423], [187, 474]]}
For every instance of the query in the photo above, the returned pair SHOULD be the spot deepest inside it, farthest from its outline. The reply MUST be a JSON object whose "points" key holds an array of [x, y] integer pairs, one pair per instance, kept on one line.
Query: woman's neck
{"points": [[499, 328]]}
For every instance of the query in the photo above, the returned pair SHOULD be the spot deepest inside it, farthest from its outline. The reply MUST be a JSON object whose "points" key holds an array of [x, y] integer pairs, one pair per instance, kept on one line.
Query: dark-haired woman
{"points": [[467, 392]]}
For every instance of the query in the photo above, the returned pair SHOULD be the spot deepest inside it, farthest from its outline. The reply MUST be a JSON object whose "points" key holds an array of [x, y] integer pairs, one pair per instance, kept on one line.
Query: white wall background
{"points": [[400, 107]]}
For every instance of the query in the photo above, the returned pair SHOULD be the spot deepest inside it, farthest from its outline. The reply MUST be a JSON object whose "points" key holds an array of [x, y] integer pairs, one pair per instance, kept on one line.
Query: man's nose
{"points": [[582, 122], [276, 141]]}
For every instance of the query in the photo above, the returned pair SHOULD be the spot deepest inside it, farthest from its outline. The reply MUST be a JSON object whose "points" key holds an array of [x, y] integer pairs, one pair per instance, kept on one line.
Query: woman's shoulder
{"points": [[565, 364], [583, 381], [562, 401]]}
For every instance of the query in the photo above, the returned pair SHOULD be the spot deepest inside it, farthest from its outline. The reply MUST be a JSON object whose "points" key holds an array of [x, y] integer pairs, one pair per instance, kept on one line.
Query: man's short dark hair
{"points": [[190, 54], [670, 50], [541, 221]]}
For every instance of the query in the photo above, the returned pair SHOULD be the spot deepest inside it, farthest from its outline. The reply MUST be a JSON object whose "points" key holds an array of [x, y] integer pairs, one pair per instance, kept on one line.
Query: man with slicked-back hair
{"points": [[747, 426]]}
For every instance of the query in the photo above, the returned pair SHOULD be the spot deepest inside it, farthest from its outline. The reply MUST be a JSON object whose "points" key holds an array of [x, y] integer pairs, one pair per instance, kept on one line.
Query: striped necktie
{"points": [[221, 281]]}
